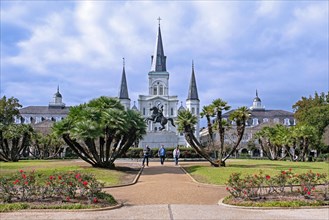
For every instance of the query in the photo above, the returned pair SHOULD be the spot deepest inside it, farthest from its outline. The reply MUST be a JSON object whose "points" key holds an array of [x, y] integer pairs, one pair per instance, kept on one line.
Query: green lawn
{"points": [[48, 167], [219, 175]]}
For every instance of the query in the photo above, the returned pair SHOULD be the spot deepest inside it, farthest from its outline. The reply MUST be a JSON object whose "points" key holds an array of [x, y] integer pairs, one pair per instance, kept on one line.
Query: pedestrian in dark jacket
{"points": [[147, 154]]}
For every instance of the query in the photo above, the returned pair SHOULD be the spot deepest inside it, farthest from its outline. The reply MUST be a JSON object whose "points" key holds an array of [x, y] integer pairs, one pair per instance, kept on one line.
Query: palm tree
{"points": [[186, 122], [240, 116], [101, 131], [219, 106], [208, 112], [14, 138], [304, 135]]}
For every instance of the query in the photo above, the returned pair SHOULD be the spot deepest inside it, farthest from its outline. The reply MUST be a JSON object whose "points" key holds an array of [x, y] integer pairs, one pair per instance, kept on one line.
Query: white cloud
{"points": [[237, 47]]}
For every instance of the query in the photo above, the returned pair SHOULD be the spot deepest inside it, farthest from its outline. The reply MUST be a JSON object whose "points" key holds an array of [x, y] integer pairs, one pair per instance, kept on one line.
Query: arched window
{"points": [[286, 121], [172, 111], [161, 90], [255, 121], [155, 90], [143, 111]]}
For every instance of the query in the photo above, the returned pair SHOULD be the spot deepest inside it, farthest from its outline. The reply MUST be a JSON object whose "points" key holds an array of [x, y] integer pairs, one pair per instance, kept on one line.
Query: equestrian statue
{"points": [[157, 117]]}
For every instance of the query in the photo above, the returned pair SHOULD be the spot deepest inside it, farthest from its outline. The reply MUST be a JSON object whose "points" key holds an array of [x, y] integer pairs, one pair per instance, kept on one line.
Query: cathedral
{"points": [[158, 98]]}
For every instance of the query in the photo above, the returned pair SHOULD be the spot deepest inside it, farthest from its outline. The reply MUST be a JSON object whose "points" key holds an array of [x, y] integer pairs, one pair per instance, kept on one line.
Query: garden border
{"points": [[93, 209], [220, 202]]}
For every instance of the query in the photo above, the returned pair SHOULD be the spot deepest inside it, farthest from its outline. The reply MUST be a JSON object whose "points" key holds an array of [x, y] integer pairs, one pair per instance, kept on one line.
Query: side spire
{"points": [[123, 94], [158, 58], [193, 91]]}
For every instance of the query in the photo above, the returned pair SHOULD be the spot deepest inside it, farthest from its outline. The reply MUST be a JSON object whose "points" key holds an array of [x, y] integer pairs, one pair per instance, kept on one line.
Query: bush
{"points": [[262, 185], [25, 186]]}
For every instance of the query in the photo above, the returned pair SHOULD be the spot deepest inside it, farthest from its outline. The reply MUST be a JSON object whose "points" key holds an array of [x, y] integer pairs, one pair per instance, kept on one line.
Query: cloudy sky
{"points": [[279, 48]]}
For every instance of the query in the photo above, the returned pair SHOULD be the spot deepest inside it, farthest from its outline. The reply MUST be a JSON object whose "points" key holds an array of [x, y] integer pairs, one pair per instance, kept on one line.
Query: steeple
{"points": [[158, 58], [57, 100], [257, 103], [123, 94], [193, 91]]}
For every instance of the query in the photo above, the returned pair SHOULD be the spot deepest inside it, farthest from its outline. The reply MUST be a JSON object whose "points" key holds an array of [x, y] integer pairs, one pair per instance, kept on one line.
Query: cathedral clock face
{"points": [[157, 103]]}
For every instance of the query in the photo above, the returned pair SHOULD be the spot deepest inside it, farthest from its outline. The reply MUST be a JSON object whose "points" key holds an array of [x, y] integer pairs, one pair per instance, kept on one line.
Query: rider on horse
{"points": [[159, 114]]}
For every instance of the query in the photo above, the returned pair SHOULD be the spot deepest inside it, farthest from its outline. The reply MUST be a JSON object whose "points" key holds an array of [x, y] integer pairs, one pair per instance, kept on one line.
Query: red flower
{"points": [[26, 183], [305, 189], [268, 177], [59, 177], [227, 189], [308, 193], [16, 181], [283, 172], [24, 176], [95, 200], [77, 176], [51, 177], [85, 183], [21, 171], [68, 198]]}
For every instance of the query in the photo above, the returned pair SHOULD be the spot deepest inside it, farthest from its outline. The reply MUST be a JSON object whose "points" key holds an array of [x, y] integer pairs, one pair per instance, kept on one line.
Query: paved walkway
{"points": [[166, 192]]}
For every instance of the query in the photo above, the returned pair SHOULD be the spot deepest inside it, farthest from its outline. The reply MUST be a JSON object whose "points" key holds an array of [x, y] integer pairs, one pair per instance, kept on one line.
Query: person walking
{"points": [[147, 153], [162, 154], [176, 154]]}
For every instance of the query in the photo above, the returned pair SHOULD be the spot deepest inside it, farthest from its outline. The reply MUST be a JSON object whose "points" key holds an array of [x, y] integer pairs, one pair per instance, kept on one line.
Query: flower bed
{"points": [[56, 189], [309, 188]]}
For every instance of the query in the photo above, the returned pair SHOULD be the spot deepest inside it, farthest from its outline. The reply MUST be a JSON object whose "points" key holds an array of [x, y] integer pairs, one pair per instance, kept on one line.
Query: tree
{"points": [[9, 110], [101, 131], [274, 141], [314, 111], [13, 137], [45, 145], [186, 122], [208, 112]]}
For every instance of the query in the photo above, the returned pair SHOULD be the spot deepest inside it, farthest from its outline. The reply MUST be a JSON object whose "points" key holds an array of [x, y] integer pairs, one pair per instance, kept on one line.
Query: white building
{"points": [[159, 96]]}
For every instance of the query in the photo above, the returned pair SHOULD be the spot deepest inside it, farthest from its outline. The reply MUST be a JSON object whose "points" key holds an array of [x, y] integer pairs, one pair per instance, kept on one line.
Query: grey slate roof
{"points": [[265, 114], [158, 58], [123, 94], [192, 91], [44, 110]]}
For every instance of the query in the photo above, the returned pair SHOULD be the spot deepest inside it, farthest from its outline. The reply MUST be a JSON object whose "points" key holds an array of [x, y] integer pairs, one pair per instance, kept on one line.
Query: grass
{"points": [[271, 204], [219, 175], [48, 167]]}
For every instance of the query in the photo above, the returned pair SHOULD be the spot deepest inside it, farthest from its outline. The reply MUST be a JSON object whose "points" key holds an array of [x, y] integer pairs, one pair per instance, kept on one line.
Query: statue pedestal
{"points": [[156, 139]]}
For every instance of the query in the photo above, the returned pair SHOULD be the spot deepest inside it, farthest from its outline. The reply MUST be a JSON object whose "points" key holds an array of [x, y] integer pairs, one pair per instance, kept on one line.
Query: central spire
{"points": [[158, 58]]}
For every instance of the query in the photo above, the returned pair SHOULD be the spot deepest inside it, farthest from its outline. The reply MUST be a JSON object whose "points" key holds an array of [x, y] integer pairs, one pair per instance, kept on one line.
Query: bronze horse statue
{"points": [[157, 117]]}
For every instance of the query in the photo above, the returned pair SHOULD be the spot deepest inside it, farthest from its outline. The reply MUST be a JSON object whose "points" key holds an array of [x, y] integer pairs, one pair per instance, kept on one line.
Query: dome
{"points": [[58, 95], [181, 108], [257, 99]]}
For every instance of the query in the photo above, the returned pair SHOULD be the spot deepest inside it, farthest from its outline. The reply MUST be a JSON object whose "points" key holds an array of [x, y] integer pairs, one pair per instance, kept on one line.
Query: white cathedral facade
{"points": [[159, 96]]}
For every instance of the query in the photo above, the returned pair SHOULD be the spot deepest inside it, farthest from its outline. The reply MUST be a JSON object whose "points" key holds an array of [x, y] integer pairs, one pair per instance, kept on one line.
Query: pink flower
{"points": [[308, 193], [77, 176], [85, 183], [68, 198]]}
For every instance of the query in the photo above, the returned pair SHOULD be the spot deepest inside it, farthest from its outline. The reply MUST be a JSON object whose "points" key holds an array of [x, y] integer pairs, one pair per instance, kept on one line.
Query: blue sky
{"points": [[279, 48]]}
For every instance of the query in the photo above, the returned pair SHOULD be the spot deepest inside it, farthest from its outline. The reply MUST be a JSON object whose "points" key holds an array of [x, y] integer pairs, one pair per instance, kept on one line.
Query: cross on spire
{"points": [[159, 19]]}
